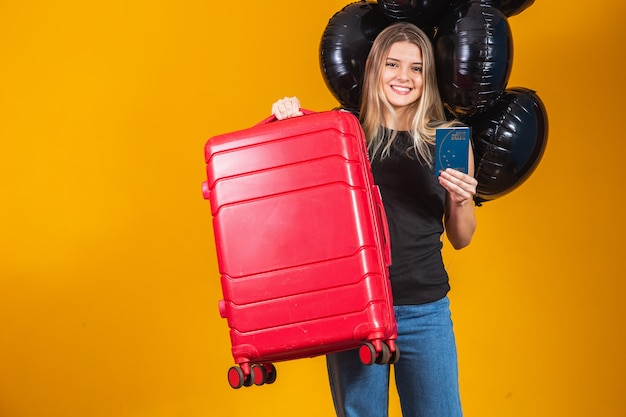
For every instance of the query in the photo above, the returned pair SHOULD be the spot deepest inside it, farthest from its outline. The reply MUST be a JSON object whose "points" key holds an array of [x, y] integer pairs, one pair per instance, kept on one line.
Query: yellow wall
{"points": [[109, 287]]}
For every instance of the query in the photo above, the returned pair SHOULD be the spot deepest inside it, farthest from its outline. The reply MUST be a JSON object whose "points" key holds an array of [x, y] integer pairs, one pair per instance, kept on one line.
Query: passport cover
{"points": [[452, 148]]}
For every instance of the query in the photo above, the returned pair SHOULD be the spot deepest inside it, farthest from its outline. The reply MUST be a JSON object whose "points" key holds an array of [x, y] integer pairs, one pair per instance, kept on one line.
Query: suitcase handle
{"points": [[273, 118], [382, 218]]}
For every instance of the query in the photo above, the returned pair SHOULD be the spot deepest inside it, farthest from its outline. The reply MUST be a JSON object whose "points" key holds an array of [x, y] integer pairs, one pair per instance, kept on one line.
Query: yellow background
{"points": [[109, 286]]}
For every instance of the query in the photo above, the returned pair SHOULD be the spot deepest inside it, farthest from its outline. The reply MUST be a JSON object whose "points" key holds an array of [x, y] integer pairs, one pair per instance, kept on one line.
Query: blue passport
{"points": [[452, 148]]}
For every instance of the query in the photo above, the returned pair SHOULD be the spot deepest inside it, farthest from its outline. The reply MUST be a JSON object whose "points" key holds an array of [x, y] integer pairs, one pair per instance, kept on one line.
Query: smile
{"points": [[400, 89]]}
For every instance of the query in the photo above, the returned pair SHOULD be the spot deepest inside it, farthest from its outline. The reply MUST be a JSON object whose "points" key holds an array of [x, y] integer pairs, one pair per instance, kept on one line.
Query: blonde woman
{"points": [[400, 109]]}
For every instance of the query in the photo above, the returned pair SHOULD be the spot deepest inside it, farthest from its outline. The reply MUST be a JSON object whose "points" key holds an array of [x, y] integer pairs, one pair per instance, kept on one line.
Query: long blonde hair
{"points": [[424, 115]]}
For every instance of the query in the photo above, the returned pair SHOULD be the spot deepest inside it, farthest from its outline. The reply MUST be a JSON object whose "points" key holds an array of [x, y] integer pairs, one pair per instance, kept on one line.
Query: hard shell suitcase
{"points": [[302, 244]]}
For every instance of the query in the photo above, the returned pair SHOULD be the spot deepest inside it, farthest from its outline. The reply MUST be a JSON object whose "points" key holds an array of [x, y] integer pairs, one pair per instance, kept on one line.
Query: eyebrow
{"points": [[397, 60]]}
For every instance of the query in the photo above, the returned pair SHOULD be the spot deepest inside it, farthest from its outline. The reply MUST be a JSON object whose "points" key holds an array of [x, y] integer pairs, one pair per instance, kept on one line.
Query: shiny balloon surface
{"points": [[344, 47], [474, 56], [508, 7], [423, 13], [513, 7], [509, 140]]}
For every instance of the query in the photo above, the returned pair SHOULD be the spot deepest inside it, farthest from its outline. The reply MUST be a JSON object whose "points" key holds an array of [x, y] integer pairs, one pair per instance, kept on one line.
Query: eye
{"points": [[391, 64], [417, 68]]}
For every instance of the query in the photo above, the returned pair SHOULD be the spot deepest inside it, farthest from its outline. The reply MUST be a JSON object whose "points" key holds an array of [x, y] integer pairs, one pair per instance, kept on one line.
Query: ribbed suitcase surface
{"points": [[302, 244]]}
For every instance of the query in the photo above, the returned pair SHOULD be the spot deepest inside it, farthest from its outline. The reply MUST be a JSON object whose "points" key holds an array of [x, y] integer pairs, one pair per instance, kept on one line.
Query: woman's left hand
{"points": [[461, 187]]}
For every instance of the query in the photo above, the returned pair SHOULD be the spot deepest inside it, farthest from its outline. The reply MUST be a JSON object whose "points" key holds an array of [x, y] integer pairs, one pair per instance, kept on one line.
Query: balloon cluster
{"points": [[473, 55]]}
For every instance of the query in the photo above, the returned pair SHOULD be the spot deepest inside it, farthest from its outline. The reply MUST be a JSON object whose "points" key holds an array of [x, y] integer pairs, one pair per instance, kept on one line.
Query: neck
{"points": [[400, 121]]}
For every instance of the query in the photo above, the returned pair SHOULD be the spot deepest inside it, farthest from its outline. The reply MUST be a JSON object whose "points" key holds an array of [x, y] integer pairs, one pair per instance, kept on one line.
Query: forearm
{"points": [[460, 222]]}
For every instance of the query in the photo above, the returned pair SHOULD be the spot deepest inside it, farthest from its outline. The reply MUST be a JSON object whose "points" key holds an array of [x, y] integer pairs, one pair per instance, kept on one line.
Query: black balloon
{"points": [[423, 13], [344, 47], [513, 7], [474, 55], [508, 7], [509, 140]]}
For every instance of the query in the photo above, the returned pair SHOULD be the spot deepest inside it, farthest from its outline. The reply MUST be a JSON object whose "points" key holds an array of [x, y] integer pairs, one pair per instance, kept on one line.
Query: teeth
{"points": [[403, 89]]}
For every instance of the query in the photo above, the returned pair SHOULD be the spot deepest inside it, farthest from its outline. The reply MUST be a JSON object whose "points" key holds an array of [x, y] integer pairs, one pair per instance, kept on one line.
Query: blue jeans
{"points": [[426, 373]]}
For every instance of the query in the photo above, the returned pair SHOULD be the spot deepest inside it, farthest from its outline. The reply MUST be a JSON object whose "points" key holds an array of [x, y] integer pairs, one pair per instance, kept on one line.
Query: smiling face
{"points": [[401, 78]]}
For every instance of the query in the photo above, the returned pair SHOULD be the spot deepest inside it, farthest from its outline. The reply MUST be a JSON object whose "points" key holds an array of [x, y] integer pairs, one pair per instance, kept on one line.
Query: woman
{"points": [[400, 110]]}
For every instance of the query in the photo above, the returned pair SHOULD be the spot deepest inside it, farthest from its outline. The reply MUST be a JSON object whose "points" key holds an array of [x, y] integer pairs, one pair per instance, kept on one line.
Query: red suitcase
{"points": [[302, 244]]}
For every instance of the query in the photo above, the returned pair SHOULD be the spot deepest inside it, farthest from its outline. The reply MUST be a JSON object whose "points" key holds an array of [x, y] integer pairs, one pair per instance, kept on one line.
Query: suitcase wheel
{"points": [[259, 375], [369, 356], [367, 353], [395, 356], [384, 355], [271, 375], [236, 377], [263, 374]]}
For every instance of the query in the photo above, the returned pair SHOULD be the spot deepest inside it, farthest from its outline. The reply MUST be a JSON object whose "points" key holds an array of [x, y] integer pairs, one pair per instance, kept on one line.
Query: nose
{"points": [[403, 74]]}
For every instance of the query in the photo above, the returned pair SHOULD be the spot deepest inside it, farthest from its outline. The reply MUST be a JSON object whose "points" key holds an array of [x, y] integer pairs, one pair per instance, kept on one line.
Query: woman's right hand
{"points": [[286, 107]]}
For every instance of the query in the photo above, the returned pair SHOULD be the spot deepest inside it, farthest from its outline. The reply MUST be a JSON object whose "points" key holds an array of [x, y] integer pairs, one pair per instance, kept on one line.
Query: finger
{"points": [[455, 173], [282, 108], [458, 190], [286, 107], [459, 178], [276, 111], [292, 105]]}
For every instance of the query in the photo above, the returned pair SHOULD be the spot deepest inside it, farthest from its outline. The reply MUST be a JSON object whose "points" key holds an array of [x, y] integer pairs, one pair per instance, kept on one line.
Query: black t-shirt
{"points": [[414, 204]]}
